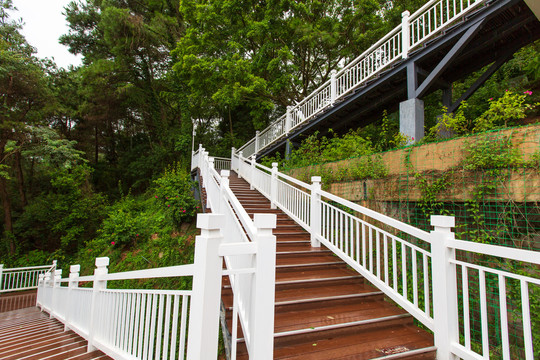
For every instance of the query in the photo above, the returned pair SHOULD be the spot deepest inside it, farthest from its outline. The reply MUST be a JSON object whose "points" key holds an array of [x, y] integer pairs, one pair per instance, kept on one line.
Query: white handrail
{"points": [[253, 286], [22, 278], [427, 22]]}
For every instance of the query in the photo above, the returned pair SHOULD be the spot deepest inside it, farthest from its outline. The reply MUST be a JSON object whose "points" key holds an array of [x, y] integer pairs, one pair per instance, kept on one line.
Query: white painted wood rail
{"points": [[22, 278]]}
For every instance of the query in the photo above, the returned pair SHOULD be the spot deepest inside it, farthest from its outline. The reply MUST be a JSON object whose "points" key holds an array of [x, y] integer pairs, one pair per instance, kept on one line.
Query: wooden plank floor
{"points": [[17, 300], [30, 334], [325, 310]]}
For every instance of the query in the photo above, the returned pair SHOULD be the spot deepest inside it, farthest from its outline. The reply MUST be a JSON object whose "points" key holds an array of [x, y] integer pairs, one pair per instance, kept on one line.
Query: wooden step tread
{"points": [[332, 312], [372, 344], [31, 334]]}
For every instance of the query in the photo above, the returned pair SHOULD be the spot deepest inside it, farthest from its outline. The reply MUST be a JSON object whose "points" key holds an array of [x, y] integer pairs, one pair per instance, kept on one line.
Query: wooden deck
{"points": [[30, 334], [325, 310], [17, 300]]}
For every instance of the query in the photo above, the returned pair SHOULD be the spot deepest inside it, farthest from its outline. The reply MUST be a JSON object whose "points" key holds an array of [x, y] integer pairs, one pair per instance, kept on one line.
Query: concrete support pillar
{"points": [[411, 119], [288, 149]]}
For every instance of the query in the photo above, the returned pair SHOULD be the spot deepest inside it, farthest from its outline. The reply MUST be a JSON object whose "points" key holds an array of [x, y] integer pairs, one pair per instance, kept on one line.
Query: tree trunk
{"points": [[20, 177], [4, 196], [8, 223], [97, 145]]}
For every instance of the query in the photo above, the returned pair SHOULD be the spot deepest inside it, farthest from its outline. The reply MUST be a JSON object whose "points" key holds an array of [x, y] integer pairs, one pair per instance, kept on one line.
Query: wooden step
{"points": [[323, 308], [32, 334]]}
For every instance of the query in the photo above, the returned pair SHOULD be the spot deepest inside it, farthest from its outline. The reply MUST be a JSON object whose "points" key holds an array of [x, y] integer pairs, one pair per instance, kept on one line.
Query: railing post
{"points": [[240, 163], [444, 281], [405, 34], [206, 299], [257, 145], [73, 283], [233, 161], [252, 172], [288, 120], [315, 216], [47, 292], [262, 343], [99, 284], [224, 185], [273, 185], [1, 276], [55, 285], [40, 291], [210, 167], [333, 87]]}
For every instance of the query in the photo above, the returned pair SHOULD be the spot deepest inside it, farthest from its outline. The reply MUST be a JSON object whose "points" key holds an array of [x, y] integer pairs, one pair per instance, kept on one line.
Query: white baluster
{"points": [[445, 310], [205, 302], [315, 216], [99, 284]]}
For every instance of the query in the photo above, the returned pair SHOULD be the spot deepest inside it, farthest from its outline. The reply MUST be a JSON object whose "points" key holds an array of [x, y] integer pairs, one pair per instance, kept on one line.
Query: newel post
{"points": [[233, 161], [206, 299], [55, 285], [73, 283], [288, 119], [252, 172], [40, 292], [257, 139], [222, 189], [444, 281], [405, 34], [315, 216], [273, 185], [333, 87], [264, 290], [100, 283], [240, 163]]}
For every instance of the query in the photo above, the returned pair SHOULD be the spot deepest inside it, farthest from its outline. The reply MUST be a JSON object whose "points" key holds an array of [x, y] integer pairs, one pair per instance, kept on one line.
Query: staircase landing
{"points": [[325, 310], [30, 334]]}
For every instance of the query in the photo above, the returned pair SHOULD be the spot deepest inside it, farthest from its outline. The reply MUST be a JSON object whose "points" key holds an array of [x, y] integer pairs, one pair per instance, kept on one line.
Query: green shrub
{"points": [[173, 192]]}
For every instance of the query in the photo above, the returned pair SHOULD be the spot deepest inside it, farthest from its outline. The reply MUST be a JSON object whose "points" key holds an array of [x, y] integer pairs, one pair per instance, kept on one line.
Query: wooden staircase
{"points": [[325, 310], [30, 334]]}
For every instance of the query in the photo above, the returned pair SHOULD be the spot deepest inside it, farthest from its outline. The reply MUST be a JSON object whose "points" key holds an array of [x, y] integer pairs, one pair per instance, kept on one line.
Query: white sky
{"points": [[43, 26]]}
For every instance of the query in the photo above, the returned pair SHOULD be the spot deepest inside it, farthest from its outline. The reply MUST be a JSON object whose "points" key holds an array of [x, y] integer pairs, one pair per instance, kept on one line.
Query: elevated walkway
{"points": [[324, 309]]}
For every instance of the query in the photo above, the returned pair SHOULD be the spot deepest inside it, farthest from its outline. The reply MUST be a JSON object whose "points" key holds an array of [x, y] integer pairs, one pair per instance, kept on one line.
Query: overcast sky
{"points": [[44, 24]]}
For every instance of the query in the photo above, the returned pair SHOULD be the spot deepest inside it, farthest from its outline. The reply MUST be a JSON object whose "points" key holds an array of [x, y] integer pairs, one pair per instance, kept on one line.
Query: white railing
{"points": [[222, 163], [146, 324], [414, 268], [415, 29], [253, 287], [22, 278]]}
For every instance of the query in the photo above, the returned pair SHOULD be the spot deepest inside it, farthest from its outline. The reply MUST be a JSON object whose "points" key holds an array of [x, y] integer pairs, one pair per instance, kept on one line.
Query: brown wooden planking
{"points": [[325, 303], [31, 334], [17, 300]]}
